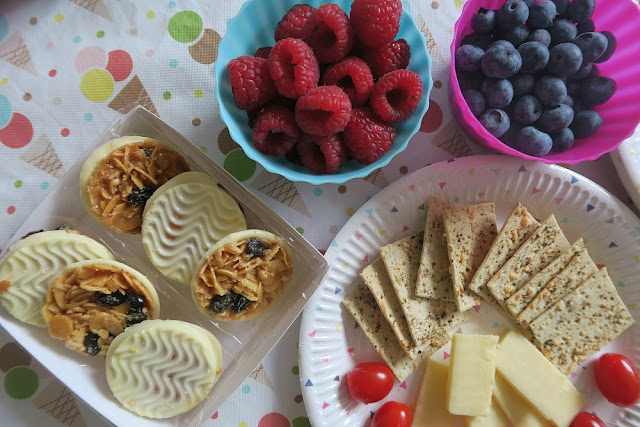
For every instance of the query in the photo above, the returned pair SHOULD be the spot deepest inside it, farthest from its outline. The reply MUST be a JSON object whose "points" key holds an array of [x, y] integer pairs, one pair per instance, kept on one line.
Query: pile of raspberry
{"points": [[331, 87]]}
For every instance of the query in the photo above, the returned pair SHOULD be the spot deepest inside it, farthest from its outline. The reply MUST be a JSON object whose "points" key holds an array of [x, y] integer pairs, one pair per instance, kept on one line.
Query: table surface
{"points": [[69, 68]]}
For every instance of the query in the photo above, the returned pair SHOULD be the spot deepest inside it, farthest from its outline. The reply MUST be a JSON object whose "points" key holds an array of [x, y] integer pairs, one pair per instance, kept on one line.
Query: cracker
{"points": [[362, 306], [544, 245], [470, 232], [579, 269], [426, 318], [434, 279], [523, 297], [582, 323], [518, 227]]}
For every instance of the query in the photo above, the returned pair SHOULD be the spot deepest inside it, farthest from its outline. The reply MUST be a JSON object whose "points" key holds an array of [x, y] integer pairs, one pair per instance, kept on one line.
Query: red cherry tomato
{"points": [[587, 419], [369, 382], [617, 379], [392, 414]]}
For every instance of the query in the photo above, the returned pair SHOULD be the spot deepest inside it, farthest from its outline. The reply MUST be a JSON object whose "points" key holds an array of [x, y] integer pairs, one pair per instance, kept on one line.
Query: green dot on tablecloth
{"points": [[21, 382], [166, 95], [185, 26], [76, 39], [17, 184], [88, 117], [239, 165], [4, 25], [5, 111], [171, 4], [317, 192], [100, 34], [300, 230], [246, 389], [301, 422], [44, 185], [173, 63], [295, 370]]}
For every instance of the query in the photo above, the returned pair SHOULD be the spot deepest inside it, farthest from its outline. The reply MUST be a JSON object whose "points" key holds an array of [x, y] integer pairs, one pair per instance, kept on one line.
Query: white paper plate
{"points": [[331, 343], [626, 159]]}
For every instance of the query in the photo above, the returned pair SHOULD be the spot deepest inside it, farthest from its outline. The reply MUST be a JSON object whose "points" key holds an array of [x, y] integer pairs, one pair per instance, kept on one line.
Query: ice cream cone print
{"points": [[282, 190], [95, 6], [451, 140], [42, 155], [132, 95], [15, 52], [377, 178]]}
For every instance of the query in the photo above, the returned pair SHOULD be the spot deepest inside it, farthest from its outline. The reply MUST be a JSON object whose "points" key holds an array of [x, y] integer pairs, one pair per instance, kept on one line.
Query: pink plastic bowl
{"points": [[620, 115]]}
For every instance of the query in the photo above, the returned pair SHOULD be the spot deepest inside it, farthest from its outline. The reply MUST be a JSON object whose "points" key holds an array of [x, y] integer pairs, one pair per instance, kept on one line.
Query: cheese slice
{"points": [[471, 377], [431, 406], [536, 379], [515, 407], [496, 418]]}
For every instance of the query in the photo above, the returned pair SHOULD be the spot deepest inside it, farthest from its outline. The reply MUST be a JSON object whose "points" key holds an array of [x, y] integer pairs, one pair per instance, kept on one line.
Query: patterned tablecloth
{"points": [[68, 68]]}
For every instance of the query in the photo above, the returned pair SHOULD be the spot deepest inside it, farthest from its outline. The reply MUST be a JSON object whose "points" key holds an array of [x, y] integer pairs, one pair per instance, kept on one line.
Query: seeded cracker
{"points": [[544, 245], [426, 318], [521, 299], [375, 277], [470, 233], [582, 323], [434, 279], [362, 306], [518, 227], [579, 269]]}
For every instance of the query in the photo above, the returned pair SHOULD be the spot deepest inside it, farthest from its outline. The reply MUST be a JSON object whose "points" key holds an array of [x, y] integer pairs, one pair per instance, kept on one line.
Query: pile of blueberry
{"points": [[529, 73]]}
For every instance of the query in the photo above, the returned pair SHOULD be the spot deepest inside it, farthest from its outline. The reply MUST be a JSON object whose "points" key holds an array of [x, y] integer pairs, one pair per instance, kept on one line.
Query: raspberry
{"points": [[329, 33], [366, 136], [353, 76], [275, 130], [322, 154], [391, 57], [263, 52], [250, 82], [376, 22], [292, 23], [293, 67], [396, 95], [323, 111]]}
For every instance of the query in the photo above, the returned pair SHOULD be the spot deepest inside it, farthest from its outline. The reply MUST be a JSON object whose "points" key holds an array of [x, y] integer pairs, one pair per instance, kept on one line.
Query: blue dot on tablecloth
{"points": [[173, 63], [4, 25], [88, 117], [318, 192], [44, 185], [172, 4], [76, 39], [5, 111], [246, 389]]}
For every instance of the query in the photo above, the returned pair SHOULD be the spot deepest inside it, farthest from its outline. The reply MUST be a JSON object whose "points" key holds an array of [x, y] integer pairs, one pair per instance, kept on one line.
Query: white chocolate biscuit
{"points": [[33, 263], [163, 368]]}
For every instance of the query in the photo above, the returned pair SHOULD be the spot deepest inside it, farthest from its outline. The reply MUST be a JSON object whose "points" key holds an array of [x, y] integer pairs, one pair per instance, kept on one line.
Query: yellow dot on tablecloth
{"points": [[349, 211], [458, 3], [203, 148], [197, 93], [97, 85], [4, 80], [242, 424], [151, 14], [59, 17]]}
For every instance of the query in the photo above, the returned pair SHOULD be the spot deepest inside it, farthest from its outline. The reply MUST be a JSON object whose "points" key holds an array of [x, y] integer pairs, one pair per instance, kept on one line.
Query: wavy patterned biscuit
{"points": [[33, 263], [94, 301], [182, 222], [119, 177], [241, 275], [163, 368]]}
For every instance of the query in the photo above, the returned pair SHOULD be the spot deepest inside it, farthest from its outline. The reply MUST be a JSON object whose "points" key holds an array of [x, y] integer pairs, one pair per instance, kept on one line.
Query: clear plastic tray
{"points": [[244, 344]]}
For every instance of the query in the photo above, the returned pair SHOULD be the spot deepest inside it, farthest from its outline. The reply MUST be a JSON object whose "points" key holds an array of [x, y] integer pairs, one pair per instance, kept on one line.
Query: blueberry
{"points": [[255, 247], [510, 135], [139, 197], [535, 56], [495, 121], [573, 88], [533, 142], [501, 61], [135, 301], [583, 72], [594, 71], [611, 47], [468, 80], [147, 151], [561, 6], [511, 14], [581, 10], [484, 20], [475, 101], [564, 59], [527, 110], [562, 140], [481, 40], [592, 45], [562, 31], [597, 90], [63, 227], [497, 92], [555, 119], [240, 303], [568, 100], [529, 3], [585, 123], [220, 303], [578, 107], [540, 35], [91, 345], [109, 300], [516, 36], [541, 14], [586, 26], [468, 57], [550, 90], [135, 316], [522, 84]]}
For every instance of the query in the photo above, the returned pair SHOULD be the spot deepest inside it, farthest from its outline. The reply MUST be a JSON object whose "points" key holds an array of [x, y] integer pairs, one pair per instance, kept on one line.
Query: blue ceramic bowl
{"points": [[253, 27]]}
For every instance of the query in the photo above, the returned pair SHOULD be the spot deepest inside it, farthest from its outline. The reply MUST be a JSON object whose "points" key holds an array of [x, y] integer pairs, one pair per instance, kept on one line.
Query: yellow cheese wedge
{"points": [[496, 418], [536, 379], [518, 410], [472, 374], [431, 406]]}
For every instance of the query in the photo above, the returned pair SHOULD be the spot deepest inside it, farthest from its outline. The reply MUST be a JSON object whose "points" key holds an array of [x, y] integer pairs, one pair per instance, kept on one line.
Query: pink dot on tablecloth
{"points": [[11, 210], [49, 45], [90, 57], [52, 73], [119, 65], [17, 133], [149, 53], [274, 419], [64, 132], [432, 119]]}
